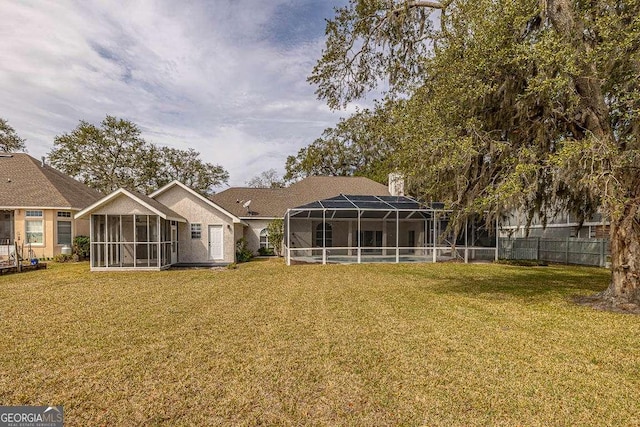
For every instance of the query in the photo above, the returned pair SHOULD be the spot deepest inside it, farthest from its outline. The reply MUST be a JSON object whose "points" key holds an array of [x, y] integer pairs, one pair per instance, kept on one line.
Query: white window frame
{"points": [[34, 216], [266, 244]]}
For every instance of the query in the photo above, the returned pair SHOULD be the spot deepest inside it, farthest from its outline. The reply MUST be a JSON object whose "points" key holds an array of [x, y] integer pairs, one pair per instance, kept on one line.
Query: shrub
{"points": [[62, 258], [276, 234], [243, 254], [81, 246], [265, 252]]}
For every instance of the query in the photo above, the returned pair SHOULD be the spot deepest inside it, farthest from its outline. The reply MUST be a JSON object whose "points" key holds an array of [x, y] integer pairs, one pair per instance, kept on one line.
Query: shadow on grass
{"points": [[522, 282]]}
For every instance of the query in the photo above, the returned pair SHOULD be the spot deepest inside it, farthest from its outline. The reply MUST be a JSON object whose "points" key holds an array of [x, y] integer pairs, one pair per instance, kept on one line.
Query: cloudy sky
{"points": [[226, 77]]}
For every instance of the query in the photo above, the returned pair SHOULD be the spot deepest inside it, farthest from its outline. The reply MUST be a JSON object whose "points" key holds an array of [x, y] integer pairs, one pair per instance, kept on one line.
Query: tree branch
{"points": [[419, 3]]}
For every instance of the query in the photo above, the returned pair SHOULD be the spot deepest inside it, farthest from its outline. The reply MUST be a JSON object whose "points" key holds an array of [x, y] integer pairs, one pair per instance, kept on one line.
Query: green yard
{"points": [[443, 344]]}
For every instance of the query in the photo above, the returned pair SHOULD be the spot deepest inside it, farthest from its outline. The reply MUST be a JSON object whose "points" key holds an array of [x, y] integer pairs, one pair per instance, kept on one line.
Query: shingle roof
{"points": [[25, 182], [274, 202], [165, 210]]}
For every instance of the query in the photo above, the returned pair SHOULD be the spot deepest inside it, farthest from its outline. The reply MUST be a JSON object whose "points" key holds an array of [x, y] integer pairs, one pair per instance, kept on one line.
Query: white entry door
{"points": [[215, 242]]}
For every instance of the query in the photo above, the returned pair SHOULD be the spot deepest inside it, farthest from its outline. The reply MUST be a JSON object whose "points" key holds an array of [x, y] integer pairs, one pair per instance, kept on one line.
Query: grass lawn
{"points": [[443, 344]]}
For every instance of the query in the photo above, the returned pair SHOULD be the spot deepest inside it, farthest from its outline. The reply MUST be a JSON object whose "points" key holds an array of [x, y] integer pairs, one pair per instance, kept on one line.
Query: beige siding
{"points": [[252, 233], [300, 234], [123, 205], [197, 211], [49, 248]]}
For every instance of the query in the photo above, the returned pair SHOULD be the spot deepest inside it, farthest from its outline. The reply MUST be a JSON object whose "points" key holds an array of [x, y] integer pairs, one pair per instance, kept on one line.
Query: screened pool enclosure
{"points": [[383, 229]]}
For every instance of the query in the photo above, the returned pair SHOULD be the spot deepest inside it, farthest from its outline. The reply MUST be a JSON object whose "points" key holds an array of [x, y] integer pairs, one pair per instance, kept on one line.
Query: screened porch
{"points": [[133, 242], [382, 229]]}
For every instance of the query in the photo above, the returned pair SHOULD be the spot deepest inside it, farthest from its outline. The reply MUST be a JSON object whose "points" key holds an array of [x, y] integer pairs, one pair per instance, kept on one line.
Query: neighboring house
{"points": [[38, 204], [176, 225], [560, 225]]}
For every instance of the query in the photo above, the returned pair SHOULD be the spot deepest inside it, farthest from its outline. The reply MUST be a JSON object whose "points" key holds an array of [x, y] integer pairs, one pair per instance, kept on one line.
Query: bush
{"points": [[81, 246], [276, 235], [265, 252], [62, 258], [243, 254]]}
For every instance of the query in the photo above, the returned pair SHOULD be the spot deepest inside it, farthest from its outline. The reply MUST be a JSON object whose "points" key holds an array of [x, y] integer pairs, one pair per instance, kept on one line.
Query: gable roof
{"points": [[274, 202], [25, 182], [209, 202], [149, 203]]}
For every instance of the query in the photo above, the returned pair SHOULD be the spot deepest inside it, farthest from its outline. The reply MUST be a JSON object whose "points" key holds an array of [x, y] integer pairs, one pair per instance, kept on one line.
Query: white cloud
{"points": [[227, 78]]}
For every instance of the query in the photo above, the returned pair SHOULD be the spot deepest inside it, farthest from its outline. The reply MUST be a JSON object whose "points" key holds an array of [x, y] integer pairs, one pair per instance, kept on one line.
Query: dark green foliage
{"points": [[187, 167], [243, 253], [525, 104], [358, 146], [265, 251], [115, 155], [10, 142], [82, 246], [276, 235]]}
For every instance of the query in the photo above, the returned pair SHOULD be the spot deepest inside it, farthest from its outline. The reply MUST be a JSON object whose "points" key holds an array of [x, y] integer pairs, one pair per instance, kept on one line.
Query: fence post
{"points": [[537, 248], [17, 257], [602, 250], [566, 251]]}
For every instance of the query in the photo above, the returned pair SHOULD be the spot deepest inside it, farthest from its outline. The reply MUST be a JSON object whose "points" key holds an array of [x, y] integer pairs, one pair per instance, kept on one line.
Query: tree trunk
{"points": [[624, 288]]}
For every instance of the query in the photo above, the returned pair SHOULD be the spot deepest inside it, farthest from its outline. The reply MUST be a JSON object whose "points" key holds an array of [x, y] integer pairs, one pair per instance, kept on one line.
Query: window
{"points": [[196, 231], [63, 231], [34, 231], [371, 239], [33, 214], [64, 214], [264, 239], [325, 235]]}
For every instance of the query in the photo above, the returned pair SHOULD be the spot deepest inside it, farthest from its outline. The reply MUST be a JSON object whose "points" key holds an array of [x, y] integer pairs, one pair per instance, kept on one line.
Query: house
{"points": [[38, 204], [177, 225], [265, 204], [559, 225]]}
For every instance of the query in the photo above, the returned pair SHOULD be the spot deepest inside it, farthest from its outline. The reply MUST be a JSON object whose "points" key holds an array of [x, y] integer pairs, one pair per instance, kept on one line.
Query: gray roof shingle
{"points": [[25, 182], [274, 202]]}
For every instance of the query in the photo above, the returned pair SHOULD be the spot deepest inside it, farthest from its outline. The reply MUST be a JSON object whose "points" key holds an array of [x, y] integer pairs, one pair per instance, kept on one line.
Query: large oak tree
{"points": [[9, 140], [115, 155], [530, 104], [360, 145]]}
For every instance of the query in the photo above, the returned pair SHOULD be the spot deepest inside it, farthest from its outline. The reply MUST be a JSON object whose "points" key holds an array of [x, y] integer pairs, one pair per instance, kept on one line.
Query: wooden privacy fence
{"points": [[566, 250]]}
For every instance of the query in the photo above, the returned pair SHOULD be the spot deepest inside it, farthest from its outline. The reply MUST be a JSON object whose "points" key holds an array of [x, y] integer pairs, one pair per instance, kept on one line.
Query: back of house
{"points": [[37, 206]]}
